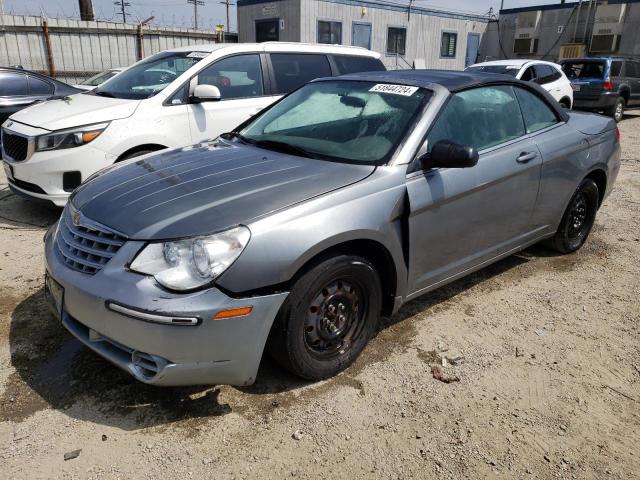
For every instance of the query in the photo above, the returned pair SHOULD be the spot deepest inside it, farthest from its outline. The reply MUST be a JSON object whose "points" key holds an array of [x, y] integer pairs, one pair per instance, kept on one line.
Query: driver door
{"points": [[463, 217], [240, 81]]}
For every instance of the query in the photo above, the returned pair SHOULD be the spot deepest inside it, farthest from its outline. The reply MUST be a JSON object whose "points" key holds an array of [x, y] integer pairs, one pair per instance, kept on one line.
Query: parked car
{"points": [[546, 74], [175, 98], [301, 227], [607, 84], [98, 79], [20, 88]]}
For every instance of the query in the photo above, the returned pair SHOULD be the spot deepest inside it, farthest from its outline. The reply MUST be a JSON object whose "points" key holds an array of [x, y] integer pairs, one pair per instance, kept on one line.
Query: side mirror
{"points": [[448, 154], [205, 93]]}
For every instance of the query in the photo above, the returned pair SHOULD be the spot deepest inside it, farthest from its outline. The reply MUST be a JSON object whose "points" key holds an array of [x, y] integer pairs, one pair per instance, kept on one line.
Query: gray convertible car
{"points": [[297, 231]]}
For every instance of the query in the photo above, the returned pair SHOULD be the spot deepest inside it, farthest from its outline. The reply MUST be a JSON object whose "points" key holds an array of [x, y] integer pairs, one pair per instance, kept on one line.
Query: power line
{"points": [[195, 4], [123, 4]]}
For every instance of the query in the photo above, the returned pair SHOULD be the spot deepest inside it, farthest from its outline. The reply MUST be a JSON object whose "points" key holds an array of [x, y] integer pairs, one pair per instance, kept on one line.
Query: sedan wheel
{"points": [[328, 318], [578, 219]]}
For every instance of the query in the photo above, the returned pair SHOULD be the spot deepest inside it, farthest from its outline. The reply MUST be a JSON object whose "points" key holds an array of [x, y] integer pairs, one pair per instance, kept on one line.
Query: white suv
{"points": [[548, 75], [175, 98]]}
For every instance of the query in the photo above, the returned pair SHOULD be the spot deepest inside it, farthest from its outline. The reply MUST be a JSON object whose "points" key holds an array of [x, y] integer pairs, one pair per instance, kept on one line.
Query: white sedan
{"points": [[546, 74]]}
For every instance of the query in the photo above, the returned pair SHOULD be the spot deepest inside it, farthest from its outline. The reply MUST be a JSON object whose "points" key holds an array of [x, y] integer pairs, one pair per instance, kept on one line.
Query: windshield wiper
{"points": [[103, 94], [239, 136], [284, 147]]}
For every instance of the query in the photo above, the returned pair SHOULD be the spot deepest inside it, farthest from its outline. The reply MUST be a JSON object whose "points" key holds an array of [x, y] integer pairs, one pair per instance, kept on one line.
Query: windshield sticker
{"points": [[394, 89], [198, 55]]}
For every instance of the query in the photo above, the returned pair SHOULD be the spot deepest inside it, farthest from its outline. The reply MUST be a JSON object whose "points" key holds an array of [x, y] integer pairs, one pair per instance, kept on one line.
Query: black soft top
{"points": [[452, 80]]}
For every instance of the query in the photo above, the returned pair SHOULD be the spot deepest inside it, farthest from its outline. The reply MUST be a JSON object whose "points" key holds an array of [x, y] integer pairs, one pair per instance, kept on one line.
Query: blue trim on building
{"points": [[396, 7], [557, 6]]}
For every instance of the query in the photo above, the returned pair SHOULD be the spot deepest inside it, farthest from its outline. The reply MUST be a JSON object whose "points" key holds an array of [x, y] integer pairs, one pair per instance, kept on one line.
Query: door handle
{"points": [[526, 157]]}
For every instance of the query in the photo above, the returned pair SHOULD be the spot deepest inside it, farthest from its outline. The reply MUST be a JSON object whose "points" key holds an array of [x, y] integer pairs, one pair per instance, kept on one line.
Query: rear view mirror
{"points": [[205, 93], [448, 154]]}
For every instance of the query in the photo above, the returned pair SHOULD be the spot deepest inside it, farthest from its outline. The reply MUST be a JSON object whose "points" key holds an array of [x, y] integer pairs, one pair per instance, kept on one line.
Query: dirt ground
{"points": [[549, 384]]}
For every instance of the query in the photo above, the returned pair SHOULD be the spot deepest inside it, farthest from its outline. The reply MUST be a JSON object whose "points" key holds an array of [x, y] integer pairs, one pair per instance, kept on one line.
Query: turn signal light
{"points": [[88, 136], [233, 312]]}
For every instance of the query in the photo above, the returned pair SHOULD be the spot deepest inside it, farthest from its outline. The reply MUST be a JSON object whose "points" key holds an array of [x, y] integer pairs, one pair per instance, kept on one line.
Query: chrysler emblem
{"points": [[75, 218]]}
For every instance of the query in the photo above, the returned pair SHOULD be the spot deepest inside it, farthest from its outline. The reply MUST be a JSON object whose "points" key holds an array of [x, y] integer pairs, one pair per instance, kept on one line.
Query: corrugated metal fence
{"points": [[71, 50]]}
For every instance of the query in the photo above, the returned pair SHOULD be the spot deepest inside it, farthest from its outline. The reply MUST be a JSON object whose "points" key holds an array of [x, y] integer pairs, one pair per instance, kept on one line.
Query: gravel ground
{"points": [[549, 385]]}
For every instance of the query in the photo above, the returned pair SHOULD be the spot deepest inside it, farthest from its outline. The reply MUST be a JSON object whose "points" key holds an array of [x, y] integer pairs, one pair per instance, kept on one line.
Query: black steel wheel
{"points": [[328, 318], [578, 218]]}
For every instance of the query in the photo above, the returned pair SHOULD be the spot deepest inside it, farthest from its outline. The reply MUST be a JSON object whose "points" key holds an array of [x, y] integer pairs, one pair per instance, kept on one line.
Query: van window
{"points": [[616, 67], [292, 70], [351, 64], [239, 76], [12, 84]]}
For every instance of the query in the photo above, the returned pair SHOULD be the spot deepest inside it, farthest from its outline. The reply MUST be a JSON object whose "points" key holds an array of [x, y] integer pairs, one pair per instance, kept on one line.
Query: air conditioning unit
{"points": [[526, 35], [572, 50], [607, 28]]}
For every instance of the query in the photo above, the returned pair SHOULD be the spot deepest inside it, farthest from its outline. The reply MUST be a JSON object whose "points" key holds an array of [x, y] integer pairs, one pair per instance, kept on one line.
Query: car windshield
{"points": [[511, 70], [583, 70], [348, 121], [99, 78], [150, 76]]}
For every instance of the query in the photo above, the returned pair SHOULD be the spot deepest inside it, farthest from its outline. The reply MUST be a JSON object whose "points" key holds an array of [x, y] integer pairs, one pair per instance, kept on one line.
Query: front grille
{"points": [[86, 248], [15, 146]]}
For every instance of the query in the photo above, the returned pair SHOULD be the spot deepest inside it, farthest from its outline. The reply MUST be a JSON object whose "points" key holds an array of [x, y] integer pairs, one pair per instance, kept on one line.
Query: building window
{"points": [[329, 32], [448, 45], [268, 30], [396, 40]]}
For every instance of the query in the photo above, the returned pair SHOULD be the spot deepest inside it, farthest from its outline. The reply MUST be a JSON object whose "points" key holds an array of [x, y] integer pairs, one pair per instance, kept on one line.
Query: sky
{"points": [[179, 13]]}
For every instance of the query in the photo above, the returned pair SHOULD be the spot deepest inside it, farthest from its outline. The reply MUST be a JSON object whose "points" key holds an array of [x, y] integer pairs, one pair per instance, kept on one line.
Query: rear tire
{"points": [[328, 318], [617, 110], [577, 220]]}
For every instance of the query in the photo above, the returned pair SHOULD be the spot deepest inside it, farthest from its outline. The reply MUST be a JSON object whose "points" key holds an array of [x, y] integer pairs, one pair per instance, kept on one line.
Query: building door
{"points": [[361, 35], [473, 44], [268, 30]]}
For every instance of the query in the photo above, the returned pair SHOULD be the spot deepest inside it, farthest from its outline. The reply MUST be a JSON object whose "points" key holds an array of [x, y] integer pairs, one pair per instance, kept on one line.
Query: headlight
{"points": [[73, 137], [191, 263]]}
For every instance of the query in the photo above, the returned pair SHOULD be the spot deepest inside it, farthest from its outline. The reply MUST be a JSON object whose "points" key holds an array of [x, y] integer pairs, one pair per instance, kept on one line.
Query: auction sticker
{"points": [[394, 89]]}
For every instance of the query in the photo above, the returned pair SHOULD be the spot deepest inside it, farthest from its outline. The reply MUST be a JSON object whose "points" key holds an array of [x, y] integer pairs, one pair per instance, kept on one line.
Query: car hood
{"points": [[205, 189], [74, 111]]}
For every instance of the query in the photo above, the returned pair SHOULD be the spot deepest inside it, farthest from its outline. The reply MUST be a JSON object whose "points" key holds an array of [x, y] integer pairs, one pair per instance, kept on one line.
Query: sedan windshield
{"points": [[150, 76], [349, 121], [511, 70]]}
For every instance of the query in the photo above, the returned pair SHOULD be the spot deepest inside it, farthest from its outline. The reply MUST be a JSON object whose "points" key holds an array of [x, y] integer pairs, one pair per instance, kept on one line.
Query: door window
{"points": [[537, 114], [361, 35], [13, 84], [349, 64], [293, 70], [546, 74], [529, 75], [39, 87], [239, 76], [268, 31], [330, 32], [616, 67], [480, 117]]}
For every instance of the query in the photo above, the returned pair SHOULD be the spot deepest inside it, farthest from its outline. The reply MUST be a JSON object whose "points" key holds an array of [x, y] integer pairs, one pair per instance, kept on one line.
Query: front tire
{"points": [[328, 318], [578, 219], [617, 110]]}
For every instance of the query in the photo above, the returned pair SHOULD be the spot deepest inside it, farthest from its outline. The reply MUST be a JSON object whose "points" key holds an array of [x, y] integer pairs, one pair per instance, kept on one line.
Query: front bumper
{"points": [[212, 352], [41, 174]]}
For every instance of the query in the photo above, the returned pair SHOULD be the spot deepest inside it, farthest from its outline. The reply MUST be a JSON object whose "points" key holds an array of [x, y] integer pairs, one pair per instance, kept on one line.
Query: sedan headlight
{"points": [[191, 263], [73, 137]]}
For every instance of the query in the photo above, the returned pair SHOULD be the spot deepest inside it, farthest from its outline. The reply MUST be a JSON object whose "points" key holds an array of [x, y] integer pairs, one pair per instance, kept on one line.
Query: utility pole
{"points": [[227, 3], [195, 4], [122, 4]]}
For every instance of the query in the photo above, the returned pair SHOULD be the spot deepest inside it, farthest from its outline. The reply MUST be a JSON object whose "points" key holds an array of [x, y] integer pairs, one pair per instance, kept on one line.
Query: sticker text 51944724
{"points": [[394, 89]]}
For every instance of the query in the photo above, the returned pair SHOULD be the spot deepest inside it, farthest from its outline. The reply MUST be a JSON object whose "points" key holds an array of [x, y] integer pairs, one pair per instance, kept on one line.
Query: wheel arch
{"points": [[566, 100], [599, 176], [374, 251], [625, 93], [141, 148]]}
